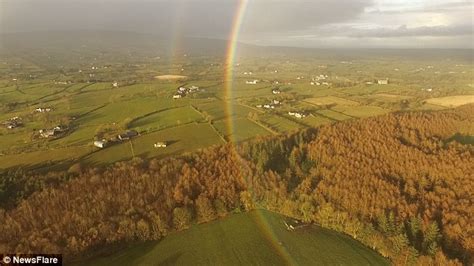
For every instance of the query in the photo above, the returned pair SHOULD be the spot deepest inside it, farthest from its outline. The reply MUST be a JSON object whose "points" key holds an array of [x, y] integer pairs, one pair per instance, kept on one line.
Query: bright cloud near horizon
{"points": [[302, 23]]}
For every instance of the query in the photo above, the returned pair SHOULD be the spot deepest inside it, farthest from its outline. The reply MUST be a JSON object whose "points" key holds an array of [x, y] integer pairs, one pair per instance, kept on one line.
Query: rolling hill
{"points": [[253, 238]]}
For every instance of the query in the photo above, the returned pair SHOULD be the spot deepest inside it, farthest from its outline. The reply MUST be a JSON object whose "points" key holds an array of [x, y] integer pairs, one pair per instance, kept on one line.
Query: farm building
{"points": [[251, 82], [43, 110], [382, 81], [321, 77], [193, 88], [276, 91], [177, 96], [10, 125], [115, 84], [13, 122], [127, 135], [46, 133], [160, 144], [100, 143], [297, 114]]}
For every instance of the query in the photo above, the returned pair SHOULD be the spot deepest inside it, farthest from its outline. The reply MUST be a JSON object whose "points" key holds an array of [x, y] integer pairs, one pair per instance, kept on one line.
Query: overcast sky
{"points": [[317, 23]]}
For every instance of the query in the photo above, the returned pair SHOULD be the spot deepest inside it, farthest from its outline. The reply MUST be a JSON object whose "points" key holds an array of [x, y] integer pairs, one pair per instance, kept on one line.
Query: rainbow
{"points": [[260, 220], [230, 57], [272, 238], [230, 61], [176, 40]]}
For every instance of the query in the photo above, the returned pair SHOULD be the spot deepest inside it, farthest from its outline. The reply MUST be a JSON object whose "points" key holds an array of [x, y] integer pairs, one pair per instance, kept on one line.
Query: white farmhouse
{"points": [[160, 144], [100, 143]]}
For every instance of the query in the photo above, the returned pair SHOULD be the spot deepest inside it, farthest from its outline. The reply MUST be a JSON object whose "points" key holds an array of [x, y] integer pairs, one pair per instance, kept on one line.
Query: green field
{"points": [[166, 118], [255, 238], [218, 110], [333, 115], [316, 120], [280, 123], [242, 129], [360, 111], [328, 100], [181, 139], [50, 157], [452, 101]]}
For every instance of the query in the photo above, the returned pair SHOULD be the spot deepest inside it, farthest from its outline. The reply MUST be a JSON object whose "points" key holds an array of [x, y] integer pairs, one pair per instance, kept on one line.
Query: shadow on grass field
{"points": [[254, 238]]}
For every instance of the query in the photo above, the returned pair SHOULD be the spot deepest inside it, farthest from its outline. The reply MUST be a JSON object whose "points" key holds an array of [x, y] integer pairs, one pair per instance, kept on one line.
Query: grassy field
{"points": [[316, 120], [180, 139], [255, 238], [328, 100], [218, 110], [360, 111], [170, 77], [242, 129], [167, 118], [452, 101], [36, 158], [280, 123], [333, 115]]}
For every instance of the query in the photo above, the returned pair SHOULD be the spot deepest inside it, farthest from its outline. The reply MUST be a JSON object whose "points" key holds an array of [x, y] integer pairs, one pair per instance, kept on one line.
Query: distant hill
{"points": [[111, 42], [156, 45]]}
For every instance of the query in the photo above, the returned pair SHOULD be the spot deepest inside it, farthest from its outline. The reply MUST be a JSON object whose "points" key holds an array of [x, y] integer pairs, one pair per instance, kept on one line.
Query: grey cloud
{"points": [[186, 17], [330, 22], [159, 17], [277, 16]]}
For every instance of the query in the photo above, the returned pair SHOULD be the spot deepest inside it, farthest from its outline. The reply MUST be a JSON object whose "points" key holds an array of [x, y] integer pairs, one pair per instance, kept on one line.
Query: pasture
{"points": [[166, 118], [180, 139], [280, 123], [255, 238], [331, 100], [242, 129], [330, 114], [86, 102], [315, 120], [360, 111], [452, 101], [170, 77]]}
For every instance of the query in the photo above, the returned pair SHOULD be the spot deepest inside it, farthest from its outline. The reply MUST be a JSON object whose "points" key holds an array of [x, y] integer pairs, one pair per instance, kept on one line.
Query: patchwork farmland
{"points": [[88, 108]]}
